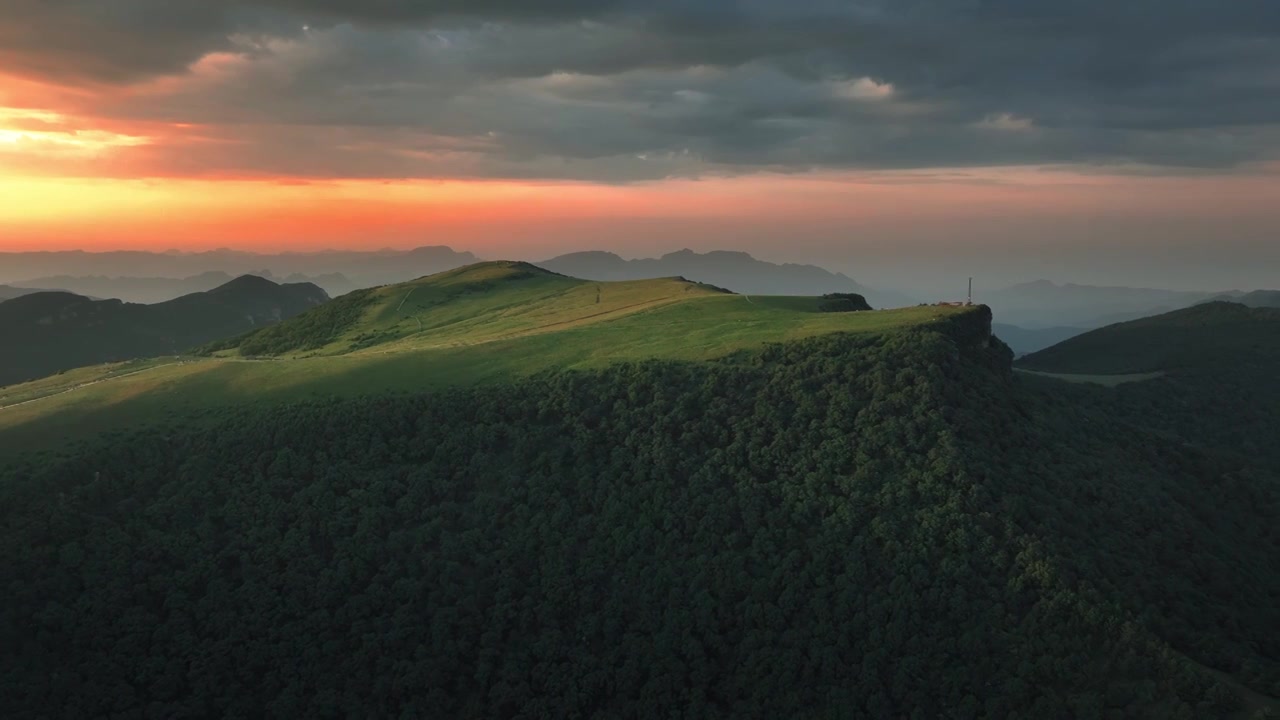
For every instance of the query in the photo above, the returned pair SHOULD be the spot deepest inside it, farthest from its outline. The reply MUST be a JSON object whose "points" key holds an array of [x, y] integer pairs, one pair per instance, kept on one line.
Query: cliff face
{"points": [[972, 334]]}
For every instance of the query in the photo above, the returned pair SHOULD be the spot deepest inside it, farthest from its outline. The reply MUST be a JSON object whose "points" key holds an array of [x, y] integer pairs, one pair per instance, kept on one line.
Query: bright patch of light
{"points": [[41, 132], [863, 88]]}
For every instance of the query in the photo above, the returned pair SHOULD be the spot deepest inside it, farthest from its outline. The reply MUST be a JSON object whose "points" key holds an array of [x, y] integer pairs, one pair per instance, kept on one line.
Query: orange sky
{"points": [[49, 212], [70, 180]]}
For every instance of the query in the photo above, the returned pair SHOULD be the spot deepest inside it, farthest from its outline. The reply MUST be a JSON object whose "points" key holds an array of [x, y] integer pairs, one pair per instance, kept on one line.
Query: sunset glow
{"points": [[514, 139]]}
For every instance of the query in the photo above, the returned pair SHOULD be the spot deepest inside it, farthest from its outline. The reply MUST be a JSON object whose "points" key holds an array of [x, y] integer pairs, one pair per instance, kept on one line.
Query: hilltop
{"points": [[1256, 298], [47, 332], [737, 271], [493, 322], [150, 290], [8, 292], [1206, 374], [815, 515], [1198, 337], [472, 304]]}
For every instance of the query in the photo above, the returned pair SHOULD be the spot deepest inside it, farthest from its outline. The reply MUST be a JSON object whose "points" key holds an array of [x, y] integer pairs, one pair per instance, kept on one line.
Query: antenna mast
{"points": [[970, 301]]}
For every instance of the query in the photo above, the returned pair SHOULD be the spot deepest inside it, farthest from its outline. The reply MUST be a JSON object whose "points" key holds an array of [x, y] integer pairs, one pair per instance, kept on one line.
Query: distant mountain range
{"points": [[1022, 311], [47, 332], [1043, 304], [360, 268], [162, 289], [736, 271], [1257, 298], [9, 292]]}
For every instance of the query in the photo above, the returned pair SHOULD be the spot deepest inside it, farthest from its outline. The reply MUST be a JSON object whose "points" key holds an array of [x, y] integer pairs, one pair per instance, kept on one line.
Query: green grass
{"points": [[488, 323], [69, 380]]}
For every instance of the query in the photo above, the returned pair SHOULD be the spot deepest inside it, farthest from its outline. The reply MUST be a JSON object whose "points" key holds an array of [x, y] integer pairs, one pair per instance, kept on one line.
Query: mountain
{"points": [[1257, 298], [151, 290], [488, 322], [359, 268], [47, 332], [1207, 375], [630, 499], [9, 292], [1260, 298], [1043, 304], [736, 271], [1023, 340], [1215, 334], [334, 283]]}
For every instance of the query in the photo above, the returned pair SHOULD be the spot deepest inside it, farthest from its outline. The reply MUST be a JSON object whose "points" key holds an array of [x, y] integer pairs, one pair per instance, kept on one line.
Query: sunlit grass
{"points": [[425, 335]]}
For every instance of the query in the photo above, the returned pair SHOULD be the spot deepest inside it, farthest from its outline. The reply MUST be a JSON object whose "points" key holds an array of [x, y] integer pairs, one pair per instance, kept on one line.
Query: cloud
{"points": [[1006, 122], [862, 89], [619, 90]]}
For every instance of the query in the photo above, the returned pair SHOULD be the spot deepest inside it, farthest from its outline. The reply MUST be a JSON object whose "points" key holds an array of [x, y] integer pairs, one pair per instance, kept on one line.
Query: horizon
{"points": [[1079, 144], [640, 358], [907, 286]]}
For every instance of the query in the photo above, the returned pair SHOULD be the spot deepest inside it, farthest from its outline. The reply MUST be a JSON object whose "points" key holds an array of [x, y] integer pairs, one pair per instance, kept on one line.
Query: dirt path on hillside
{"points": [[81, 386]]}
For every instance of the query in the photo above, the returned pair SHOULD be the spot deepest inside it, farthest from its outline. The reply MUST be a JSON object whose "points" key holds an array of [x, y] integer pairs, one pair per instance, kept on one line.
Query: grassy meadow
{"points": [[482, 324]]}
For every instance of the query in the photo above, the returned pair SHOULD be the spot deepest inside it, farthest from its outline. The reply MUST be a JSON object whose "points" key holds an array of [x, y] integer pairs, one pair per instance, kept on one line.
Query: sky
{"points": [[896, 140]]}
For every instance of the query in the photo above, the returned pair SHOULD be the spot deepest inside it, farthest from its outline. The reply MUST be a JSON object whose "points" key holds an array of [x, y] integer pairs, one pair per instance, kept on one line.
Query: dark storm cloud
{"points": [[623, 89]]}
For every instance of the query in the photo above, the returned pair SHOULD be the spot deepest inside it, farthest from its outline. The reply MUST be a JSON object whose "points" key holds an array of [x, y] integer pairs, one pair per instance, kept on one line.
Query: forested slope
{"points": [[882, 526], [48, 332], [1214, 335], [1217, 387]]}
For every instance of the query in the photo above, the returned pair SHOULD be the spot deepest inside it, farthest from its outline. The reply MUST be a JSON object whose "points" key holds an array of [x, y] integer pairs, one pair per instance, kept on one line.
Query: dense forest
{"points": [[880, 526], [1215, 385]]}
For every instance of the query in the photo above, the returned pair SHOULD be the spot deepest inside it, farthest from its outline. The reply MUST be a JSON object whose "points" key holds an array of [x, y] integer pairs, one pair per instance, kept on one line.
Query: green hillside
{"points": [[48, 332], [880, 524], [1206, 375], [491, 322], [1196, 338]]}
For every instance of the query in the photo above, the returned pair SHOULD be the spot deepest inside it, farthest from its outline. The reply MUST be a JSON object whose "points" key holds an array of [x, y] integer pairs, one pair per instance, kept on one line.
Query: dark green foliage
{"points": [[309, 331], [848, 526], [47, 332], [1219, 389], [843, 302], [1209, 336]]}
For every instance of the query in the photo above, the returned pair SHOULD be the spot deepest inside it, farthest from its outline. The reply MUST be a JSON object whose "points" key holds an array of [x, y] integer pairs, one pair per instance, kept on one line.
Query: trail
{"points": [[87, 384], [537, 330], [406, 298]]}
